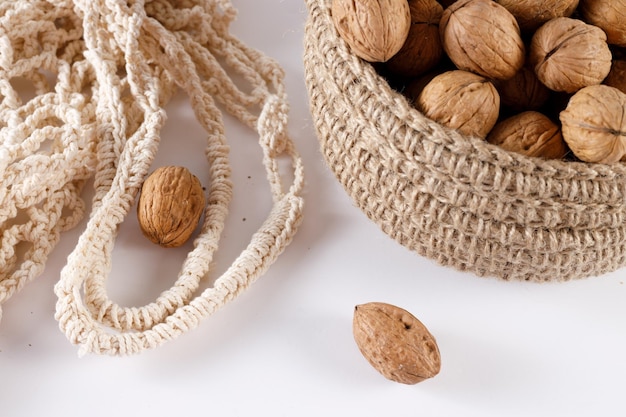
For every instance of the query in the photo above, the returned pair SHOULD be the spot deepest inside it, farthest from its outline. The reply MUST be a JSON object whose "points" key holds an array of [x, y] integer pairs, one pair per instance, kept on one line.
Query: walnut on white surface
{"points": [[395, 343], [170, 205]]}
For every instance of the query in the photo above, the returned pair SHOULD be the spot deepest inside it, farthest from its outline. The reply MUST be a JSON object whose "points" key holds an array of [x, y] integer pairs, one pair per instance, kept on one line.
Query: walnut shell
{"points": [[481, 36], [395, 343], [529, 133], [608, 15], [422, 49], [170, 205], [594, 124], [531, 14], [375, 30], [523, 92], [568, 54], [461, 100], [617, 75]]}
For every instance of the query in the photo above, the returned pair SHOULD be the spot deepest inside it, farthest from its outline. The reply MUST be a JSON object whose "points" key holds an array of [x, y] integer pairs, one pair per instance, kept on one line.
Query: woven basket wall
{"points": [[457, 200]]}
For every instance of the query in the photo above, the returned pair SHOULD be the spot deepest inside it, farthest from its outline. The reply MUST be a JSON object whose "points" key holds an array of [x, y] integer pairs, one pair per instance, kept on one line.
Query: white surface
{"points": [[285, 347]]}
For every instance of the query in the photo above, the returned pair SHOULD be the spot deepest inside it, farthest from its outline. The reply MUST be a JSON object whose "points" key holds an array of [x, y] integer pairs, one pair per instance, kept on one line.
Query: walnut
{"points": [[461, 100], [594, 124], [170, 205], [422, 49], [375, 30], [608, 15], [617, 75], [523, 92], [529, 133], [395, 343], [568, 54], [481, 36], [531, 14]]}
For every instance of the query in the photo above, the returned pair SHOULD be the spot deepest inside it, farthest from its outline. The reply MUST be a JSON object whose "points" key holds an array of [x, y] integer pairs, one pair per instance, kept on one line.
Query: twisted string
{"points": [[47, 141]]}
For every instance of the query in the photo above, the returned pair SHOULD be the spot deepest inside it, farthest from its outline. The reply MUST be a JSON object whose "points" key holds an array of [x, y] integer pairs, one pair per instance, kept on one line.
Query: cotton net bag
{"points": [[103, 70], [458, 200]]}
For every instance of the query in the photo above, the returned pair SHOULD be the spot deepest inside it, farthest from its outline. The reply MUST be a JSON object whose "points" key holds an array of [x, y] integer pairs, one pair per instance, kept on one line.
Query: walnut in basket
{"points": [[608, 15], [461, 100], [569, 54], [617, 75], [483, 37], [529, 133], [523, 92], [594, 124], [422, 49], [531, 14], [375, 30]]}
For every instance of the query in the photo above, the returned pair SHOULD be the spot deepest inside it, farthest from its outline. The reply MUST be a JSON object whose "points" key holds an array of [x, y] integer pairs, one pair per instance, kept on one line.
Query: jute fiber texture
{"points": [[103, 71], [458, 200]]}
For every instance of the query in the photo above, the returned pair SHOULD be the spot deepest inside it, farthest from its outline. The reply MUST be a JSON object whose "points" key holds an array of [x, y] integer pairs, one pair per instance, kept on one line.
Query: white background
{"points": [[285, 347]]}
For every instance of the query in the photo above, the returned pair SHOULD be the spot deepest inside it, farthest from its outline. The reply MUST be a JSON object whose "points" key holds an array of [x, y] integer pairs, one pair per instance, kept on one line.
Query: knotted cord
{"points": [[103, 71]]}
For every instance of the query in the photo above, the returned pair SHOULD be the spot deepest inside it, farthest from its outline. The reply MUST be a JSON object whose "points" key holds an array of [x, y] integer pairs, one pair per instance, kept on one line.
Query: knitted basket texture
{"points": [[455, 199]]}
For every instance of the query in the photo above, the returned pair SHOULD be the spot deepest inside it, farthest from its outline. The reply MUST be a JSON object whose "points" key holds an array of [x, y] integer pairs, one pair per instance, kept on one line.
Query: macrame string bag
{"points": [[103, 71]]}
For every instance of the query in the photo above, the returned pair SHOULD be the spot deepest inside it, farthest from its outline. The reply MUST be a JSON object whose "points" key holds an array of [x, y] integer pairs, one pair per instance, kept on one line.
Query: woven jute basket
{"points": [[455, 199]]}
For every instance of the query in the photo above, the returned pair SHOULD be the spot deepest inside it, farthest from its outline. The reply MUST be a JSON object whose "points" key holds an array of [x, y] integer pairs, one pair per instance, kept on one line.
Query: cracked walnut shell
{"points": [[569, 54], [375, 30], [170, 206], [483, 37], [594, 124]]}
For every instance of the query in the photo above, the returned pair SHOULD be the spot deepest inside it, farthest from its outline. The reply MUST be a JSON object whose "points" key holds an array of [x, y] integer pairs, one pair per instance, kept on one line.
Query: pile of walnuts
{"points": [[545, 78]]}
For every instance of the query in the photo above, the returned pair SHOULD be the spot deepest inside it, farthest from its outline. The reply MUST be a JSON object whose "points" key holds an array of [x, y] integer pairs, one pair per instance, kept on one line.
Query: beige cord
{"points": [[117, 63]]}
